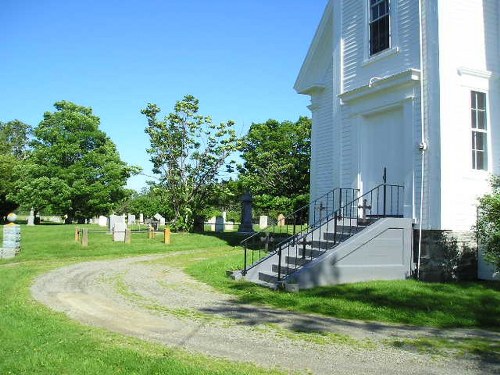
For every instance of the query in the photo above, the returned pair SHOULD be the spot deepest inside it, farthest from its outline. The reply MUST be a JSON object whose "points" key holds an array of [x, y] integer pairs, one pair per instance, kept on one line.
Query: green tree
{"points": [[276, 164], [14, 138], [488, 225], [73, 168], [188, 151]]}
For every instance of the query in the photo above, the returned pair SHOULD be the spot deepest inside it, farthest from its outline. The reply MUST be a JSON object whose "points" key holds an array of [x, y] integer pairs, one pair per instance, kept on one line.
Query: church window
{"points": [[379, 23], [479, 130]]}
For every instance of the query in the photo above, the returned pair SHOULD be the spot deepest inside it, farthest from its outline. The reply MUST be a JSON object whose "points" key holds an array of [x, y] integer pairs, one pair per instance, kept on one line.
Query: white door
{"points": [[382, 146]]}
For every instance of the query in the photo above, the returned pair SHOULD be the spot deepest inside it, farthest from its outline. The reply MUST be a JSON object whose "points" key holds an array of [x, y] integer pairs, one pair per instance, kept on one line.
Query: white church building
{"points": [[405, 103], [411, 86]]}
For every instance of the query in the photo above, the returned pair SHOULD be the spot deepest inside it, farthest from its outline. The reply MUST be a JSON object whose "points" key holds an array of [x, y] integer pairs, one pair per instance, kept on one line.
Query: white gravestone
{"points": [[119, 232], [229, 225], [219, 224], [141, 218], [211, 222], [113, 219], [131, 219], [263, 222], [160, 218], [102, 221], [31, 218], [281, 220]]}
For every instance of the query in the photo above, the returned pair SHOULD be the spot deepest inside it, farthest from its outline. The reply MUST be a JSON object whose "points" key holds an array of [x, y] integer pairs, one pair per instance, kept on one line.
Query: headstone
{"points": [[102, 221], [281, 220], [211, 222], [219, 224], [141, 218], [119, 232], [11, 238], [246, 214], [160, 219], [263, 222], [113, 219], [485, 270], [31, 218], [131, 219], [229, 225]]}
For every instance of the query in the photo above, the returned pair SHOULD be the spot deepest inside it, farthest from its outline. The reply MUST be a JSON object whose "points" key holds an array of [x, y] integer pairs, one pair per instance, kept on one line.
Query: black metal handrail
{"points": [[264, 241], [385, 200]]}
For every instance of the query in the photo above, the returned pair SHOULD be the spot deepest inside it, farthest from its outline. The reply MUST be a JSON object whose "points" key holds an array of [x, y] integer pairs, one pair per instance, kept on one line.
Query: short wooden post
{"points": [[77, 234], [151, 232], [166, 236], [85, 237], [128, 235]]}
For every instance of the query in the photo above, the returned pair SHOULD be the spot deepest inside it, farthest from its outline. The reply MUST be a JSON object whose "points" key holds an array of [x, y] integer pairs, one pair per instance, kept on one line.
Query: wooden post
{"points": [[85, 237], [151, 232], [166, 236], [128, 236], [77, 234]]}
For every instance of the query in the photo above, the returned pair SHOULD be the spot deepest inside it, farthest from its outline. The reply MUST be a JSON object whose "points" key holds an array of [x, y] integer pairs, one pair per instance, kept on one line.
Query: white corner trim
{"points": [[462, 70], [313, 89], [377, 84]]}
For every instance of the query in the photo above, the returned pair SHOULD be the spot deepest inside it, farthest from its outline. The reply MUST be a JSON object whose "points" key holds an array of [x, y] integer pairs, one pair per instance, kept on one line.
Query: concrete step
{"points": [[296, 261], [268, 278], [285, 270]]}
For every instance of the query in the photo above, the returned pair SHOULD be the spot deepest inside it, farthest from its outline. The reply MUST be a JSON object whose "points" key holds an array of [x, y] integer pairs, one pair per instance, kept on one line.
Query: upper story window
{"points": [[379, 26], [479, 130]]}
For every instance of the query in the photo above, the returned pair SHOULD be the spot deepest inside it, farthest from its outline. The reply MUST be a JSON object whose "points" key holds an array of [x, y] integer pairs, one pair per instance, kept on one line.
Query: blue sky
{"points": [[240, 58]]}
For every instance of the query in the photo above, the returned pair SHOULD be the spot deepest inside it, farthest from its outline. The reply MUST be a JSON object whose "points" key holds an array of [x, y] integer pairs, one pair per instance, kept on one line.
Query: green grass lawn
{"points": [[35, 339]]}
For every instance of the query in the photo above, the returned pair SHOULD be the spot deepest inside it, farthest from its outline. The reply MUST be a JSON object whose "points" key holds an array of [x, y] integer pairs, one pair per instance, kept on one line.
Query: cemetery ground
{"points": [[397, 327]]}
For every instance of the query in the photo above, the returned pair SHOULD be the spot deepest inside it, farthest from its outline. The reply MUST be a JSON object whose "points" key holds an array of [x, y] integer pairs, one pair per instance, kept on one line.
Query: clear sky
{"points": [[240, 58]]}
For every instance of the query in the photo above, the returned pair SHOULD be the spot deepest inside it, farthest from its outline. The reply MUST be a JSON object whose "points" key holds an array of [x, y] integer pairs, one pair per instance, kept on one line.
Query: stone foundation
{"points": [[446, 255]]}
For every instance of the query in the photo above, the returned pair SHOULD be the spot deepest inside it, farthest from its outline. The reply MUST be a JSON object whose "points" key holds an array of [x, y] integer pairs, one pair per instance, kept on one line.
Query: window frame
{"points": [[388, 14], [479, 126]]}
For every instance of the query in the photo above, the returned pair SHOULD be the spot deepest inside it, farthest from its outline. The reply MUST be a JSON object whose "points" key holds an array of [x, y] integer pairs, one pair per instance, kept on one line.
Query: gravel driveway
{"points": [[157, 302]]}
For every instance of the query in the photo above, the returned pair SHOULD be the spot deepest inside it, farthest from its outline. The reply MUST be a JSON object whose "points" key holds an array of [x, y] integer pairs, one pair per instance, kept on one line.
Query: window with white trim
{"points": [[379, 25], [479, 130]]}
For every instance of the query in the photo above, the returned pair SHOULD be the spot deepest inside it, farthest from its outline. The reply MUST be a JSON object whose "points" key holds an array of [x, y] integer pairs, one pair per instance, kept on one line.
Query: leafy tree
{"points": [[276, 164], [73, 168], [14, 138], [188, 151], [488, 226], [149, 201]]}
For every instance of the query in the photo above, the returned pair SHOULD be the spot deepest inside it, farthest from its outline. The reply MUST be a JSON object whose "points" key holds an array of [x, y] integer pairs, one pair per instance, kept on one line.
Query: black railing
{"points": [[264, 242], [383, 201]]}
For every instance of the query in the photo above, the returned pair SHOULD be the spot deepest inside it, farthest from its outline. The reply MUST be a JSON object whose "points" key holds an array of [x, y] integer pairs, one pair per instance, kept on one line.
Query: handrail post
{"points": [[279, 264], [245, 262]]}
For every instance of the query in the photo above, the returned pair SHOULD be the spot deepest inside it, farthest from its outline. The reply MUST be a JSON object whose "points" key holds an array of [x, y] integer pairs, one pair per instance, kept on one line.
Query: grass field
{"points": [[35, 339]]}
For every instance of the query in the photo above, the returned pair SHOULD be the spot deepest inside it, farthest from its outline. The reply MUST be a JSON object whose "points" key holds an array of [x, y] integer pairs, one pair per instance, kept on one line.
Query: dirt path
{"points": [[137, 297]]}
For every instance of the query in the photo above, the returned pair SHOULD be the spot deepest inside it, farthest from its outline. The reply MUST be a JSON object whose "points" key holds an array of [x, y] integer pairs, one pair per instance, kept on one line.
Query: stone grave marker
{"points": [[246, 225], [263, 220], [119, 232], [113, 219], [31, 218], [102, 221], [229, 225], [211, 222], [141, 218], [281, 220], [131, 219], [219, 224], [160, 219], [11, 238]]}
